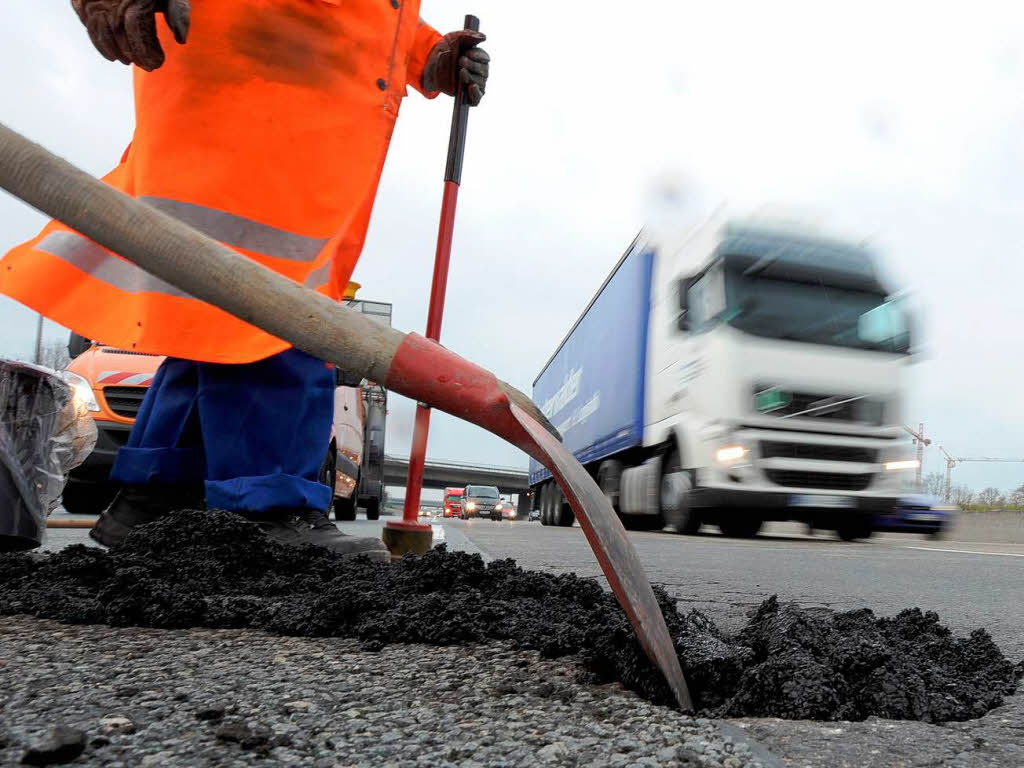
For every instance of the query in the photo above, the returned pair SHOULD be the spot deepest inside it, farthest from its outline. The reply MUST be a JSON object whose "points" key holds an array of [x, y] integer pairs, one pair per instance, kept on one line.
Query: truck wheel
{"points": [[563, 515], [372, 509], [855, 527], [609, 477], [87, 498], [547, 503], [345, 509], [677, 496], [739, 526]]}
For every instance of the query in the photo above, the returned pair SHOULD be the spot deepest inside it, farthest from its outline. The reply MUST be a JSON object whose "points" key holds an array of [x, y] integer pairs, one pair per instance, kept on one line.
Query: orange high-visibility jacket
{"points": [[268, 132]]}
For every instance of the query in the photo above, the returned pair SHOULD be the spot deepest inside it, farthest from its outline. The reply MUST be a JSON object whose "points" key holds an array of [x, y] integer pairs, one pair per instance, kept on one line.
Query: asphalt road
{"points": [[970, 584]]}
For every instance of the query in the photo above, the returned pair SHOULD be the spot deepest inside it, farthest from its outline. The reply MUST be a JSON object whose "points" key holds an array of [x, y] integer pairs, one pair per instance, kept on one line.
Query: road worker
{"points": [[265, 125]]}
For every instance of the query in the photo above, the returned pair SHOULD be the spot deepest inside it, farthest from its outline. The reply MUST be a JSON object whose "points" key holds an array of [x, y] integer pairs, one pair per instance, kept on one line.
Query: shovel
{"points": [[408, 364]]}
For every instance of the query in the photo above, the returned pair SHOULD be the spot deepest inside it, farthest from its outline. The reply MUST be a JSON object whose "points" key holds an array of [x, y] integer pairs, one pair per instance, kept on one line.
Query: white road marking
{"points": [[968, 551]]}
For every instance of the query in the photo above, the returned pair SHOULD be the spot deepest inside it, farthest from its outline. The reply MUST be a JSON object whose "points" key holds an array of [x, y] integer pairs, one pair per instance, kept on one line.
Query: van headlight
{"points": [[901, 465], [470, 506], [81, 391]]}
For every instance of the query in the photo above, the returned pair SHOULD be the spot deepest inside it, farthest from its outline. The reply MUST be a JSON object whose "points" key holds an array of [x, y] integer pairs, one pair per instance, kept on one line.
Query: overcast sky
{"points": [[898, 121]]}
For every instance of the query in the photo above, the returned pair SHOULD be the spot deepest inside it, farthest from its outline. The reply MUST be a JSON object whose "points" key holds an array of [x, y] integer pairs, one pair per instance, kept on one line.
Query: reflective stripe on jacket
{"points": [[267, 131]]}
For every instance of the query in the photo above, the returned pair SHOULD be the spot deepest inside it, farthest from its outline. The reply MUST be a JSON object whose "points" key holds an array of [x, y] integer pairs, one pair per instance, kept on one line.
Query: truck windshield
{"points": [[820, 314], [482, 491]]}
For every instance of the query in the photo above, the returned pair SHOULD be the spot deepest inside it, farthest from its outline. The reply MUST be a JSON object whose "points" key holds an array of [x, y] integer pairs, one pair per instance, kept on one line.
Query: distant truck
{"points": [[737, 373], [453, 502], [112, 383]]}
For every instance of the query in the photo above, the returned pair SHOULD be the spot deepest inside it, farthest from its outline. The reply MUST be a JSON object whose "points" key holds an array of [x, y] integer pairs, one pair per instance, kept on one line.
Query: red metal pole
{"points": [[438, 288]]}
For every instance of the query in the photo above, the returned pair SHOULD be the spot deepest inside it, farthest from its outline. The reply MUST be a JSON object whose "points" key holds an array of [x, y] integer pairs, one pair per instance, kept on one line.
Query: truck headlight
{"points": [[730, 454], [902, 464], [81, 391]]}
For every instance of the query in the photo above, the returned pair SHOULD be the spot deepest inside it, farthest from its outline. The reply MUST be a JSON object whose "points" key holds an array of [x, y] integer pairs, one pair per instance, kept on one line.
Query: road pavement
{"points": [[970, 584]]}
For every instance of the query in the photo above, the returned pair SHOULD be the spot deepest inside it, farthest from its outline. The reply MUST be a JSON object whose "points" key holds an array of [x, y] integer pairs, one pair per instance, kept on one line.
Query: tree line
{"points": [[934, 484]]}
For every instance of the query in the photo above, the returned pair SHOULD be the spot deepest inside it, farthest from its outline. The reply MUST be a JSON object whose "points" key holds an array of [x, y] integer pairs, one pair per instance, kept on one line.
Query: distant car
{"points": [[534, 514], [508, 510], [918, 513], [482, 501]]}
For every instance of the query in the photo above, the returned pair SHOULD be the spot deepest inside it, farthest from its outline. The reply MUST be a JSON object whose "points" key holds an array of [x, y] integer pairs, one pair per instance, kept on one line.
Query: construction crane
{"points": [[952, 461], [921, 441]]}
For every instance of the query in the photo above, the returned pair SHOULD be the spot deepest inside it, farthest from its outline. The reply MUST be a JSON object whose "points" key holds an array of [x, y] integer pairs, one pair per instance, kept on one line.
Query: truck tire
{"points": [[739, 526], [676, 496], [609, 476], [373, 509], [563, 516], [854, 527], [547, 503], [87, 498], [345, 509]]}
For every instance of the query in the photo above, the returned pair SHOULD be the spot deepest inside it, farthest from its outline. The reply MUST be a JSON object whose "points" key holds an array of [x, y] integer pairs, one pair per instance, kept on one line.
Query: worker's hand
{"points": [[125, 30], [456, 62]]}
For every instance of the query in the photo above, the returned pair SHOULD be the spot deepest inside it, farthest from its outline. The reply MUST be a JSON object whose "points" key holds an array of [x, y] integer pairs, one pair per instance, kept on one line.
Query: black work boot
{"points": [[296, 527], [136, 505]]}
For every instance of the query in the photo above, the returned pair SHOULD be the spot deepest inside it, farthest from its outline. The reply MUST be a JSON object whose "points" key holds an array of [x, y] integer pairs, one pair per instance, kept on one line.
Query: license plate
{"points": [[822, 502], [924, 517]]}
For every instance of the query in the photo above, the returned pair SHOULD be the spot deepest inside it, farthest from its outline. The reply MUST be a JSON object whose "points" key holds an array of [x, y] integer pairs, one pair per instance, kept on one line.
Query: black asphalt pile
{"points": [[214, 569]]}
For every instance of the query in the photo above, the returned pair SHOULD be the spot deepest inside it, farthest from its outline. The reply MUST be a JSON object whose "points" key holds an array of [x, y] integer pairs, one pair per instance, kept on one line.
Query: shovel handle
{"points": [[460, 117]]}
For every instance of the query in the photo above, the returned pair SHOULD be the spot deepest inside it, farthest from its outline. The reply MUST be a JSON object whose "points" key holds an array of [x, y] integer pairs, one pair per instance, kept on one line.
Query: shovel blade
{"points": [[615, 553]]}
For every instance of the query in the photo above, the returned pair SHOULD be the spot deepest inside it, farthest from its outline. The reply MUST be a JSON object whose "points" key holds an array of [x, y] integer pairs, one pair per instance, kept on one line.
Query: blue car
{"points": [[918, 513]]}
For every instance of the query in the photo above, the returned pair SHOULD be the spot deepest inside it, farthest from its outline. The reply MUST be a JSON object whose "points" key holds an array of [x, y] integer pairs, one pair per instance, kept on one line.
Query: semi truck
{"points": [[740, 372]]}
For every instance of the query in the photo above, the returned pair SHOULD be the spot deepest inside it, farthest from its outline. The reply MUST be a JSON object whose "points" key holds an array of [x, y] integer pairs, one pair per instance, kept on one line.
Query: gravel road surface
{"points": [[142, 697]]}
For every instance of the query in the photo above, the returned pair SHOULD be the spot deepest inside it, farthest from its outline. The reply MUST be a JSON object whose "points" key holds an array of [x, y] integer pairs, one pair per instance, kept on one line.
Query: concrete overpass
{"points": [[444, 474]]}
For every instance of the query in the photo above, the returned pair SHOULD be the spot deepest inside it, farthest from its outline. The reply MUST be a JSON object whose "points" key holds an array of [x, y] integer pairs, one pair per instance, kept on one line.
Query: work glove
{"points": [[455, 62], [125, 30]]}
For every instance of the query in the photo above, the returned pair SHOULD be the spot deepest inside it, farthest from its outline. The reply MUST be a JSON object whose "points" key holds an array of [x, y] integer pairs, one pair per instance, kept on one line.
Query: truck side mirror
{"points": [[683, 320], [683, 287], [345, 379]]}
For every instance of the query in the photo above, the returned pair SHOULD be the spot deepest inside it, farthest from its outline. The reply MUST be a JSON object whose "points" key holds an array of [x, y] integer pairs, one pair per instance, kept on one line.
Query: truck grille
{"points": [[774, 449], [125, 401], [833, 481]]}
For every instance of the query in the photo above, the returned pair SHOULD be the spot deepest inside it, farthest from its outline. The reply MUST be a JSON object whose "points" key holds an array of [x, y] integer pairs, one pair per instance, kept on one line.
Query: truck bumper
{"points": [[95, 470], [781, 505]]}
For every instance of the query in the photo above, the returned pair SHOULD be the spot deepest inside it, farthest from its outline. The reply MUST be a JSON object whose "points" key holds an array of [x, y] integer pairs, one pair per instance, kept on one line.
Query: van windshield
{"points": [[820, 314], [482, 491]]}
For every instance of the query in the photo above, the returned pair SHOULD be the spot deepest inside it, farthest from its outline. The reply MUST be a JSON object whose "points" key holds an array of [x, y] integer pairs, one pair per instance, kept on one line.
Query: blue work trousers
{"points": [[256, 433]]}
